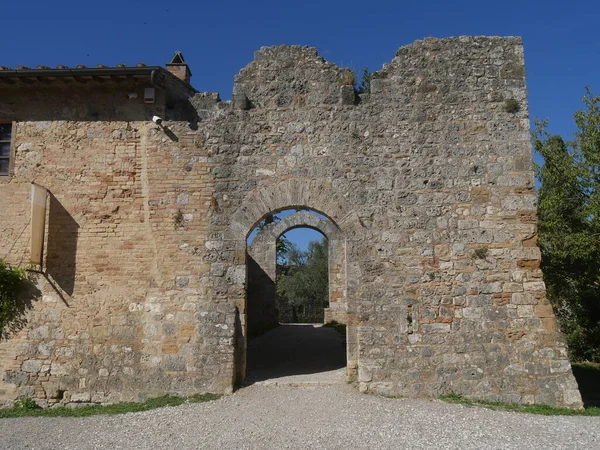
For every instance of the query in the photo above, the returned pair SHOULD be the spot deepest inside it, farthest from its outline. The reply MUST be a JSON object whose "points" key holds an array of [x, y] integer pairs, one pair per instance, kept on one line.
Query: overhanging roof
{"points": [[43, 76], [99, 73]]}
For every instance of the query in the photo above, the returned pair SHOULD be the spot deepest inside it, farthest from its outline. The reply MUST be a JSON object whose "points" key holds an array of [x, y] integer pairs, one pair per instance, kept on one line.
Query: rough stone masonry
{"points": [[426, 182]]}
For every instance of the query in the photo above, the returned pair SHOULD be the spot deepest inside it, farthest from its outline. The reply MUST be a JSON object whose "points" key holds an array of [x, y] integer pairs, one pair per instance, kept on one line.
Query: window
{"points": [[5, 141]]}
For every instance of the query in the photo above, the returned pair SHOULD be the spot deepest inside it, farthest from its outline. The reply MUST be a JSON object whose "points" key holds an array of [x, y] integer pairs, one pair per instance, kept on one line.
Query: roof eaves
{"points": [[76, 72]]}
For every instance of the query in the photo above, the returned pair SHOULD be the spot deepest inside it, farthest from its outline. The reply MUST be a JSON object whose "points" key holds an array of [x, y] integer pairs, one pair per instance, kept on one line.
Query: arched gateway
{"points": [[426, 181], [261, 304], [300, 194]]}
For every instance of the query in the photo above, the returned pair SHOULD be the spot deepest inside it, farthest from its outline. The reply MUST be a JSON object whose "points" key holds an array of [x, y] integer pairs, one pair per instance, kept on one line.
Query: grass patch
{"points": [[531, 409], [28, 410]]}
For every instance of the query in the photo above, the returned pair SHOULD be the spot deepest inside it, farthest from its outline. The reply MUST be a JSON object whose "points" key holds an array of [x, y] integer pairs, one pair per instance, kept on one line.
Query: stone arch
{"points": [[263, 254], [293, 193]]}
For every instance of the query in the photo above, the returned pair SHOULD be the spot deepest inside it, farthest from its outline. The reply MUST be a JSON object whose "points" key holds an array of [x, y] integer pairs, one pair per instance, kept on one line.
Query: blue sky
{"points": [[562, 39]]}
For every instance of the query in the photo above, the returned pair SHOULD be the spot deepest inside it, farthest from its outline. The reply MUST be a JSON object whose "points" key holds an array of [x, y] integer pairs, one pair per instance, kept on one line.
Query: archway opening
{"points": [[302, 276], [295, 287]]}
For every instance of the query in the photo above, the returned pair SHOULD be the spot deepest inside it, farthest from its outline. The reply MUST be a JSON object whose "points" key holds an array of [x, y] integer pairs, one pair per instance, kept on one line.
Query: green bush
{"points": [[13, 284], [480, 253], [26, 403], [512, 106], [569, 226]]}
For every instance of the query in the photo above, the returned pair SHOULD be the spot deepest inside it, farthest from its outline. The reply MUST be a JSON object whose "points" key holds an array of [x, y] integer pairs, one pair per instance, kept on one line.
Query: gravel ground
{"points": [[299, 400], [316, 417]]}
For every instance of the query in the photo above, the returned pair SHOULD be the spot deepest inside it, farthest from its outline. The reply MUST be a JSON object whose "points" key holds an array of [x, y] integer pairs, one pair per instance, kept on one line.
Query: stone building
{"points": [[426, 183]]}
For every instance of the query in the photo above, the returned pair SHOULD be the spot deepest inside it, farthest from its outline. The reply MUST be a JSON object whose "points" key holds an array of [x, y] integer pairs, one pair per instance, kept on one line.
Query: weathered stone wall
{"points": [[429, 181], [124, 312]]}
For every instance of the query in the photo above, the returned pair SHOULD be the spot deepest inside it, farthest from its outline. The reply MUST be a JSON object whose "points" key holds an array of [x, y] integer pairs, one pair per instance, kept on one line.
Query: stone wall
{"points": [[428, 180], [124, 312]]}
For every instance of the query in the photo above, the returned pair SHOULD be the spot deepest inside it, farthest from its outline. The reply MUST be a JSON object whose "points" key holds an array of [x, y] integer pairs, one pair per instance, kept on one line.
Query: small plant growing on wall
{"points": [[14, 298], [480, 253], [348, 78], [178, 219], [512, 106]]}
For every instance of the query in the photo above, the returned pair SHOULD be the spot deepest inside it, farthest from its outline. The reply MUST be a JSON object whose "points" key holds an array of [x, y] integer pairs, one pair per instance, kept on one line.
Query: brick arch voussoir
{"points": [[270, 233], [317, 195]]}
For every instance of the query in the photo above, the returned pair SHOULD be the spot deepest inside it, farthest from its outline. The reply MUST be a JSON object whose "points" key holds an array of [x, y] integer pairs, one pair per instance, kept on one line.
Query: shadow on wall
{"points": [[262, 304], [61, 250]]}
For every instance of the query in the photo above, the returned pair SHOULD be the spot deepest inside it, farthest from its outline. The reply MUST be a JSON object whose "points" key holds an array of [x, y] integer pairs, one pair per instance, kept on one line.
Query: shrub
{"points": [[480, 253], [13, 283], [512, 106], [26, 403], [348, 78]]}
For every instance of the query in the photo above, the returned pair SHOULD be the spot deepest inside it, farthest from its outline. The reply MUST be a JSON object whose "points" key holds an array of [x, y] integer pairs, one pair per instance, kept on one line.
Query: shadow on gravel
{"points": [[294, 349], [588, 379]]}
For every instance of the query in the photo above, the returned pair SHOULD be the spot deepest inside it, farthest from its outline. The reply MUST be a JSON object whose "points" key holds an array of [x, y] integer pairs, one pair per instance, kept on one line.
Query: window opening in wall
{"points": [[5, 144]]}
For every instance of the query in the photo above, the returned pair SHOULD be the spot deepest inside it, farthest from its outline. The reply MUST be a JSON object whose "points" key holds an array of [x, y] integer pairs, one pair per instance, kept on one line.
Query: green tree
{"points": [[13, 282], [569, 228], [303, 280], [365, 83]]}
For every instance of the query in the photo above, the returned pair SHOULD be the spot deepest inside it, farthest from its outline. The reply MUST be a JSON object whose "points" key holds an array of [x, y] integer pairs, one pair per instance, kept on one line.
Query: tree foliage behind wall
{"points": [[569, 228], [365, 83], [303, 282]]}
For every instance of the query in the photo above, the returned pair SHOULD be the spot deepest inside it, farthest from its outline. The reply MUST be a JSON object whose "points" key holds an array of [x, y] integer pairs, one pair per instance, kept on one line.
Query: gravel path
{"points": [[299, 400], [321, 417]]}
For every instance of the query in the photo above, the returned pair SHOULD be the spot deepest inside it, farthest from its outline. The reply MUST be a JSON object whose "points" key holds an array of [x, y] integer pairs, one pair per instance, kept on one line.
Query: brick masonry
{"points": [[428, 179]]}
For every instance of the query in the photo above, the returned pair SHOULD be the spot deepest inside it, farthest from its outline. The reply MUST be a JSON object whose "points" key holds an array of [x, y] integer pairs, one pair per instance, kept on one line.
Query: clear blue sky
{"points": [[562, 39]]}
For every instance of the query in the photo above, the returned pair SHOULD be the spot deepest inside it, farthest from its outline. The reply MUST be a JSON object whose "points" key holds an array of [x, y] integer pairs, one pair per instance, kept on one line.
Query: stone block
{"points": [[32, 366], [16, 378], [523, 298], [347, 95], [512, 287], [572, 398], [549, 324], [435, 328], [560, 366], [236, 275], [182, 281], [544, 311], [80, 397], [525, 311], [533, 286], [183, 198], [38, 333]]}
